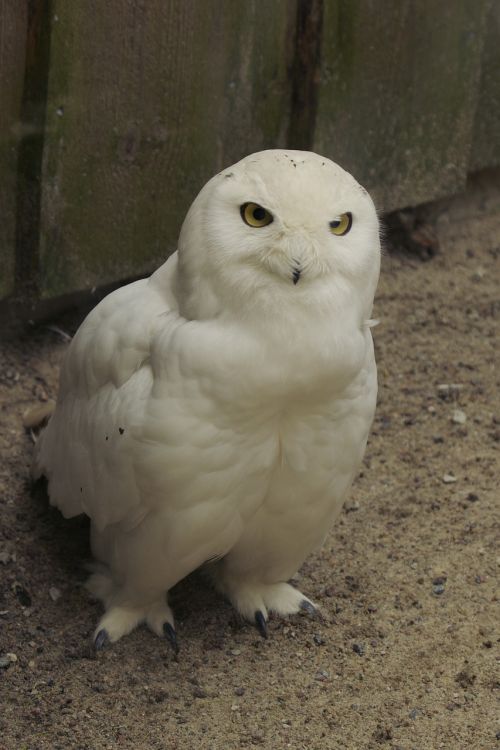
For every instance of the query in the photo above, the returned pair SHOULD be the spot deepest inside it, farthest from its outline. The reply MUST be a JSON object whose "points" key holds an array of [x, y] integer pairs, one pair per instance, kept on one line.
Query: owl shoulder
{"points": [[114, 341]]}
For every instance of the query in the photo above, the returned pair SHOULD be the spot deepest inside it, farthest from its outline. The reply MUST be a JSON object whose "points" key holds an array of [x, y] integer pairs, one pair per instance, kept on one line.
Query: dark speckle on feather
{"points": [[121, 430]]}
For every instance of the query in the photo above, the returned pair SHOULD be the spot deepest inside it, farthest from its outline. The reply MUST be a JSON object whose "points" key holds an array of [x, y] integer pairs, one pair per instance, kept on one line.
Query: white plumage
{"points": [[219, 410]]}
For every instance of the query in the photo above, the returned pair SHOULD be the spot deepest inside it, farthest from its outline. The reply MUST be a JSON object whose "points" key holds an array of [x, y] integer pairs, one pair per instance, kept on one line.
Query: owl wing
{"points": [[86, 452]]}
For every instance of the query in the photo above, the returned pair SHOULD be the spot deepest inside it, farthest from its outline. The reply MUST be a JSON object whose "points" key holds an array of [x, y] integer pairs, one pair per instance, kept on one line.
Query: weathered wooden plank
{"points": [[485, 151], [13, 20], [398, 93], [147, 99]]}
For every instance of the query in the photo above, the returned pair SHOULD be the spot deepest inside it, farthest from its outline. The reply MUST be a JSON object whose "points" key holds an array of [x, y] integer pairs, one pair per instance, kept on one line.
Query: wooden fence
{"points": [[114, 113]]}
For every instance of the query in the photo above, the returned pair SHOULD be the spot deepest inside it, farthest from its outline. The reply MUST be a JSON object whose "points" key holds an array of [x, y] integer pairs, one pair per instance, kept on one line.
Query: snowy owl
{"points": [[217, 412]]}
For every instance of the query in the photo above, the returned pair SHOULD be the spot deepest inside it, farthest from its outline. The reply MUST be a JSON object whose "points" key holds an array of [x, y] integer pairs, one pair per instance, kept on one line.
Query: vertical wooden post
{"points": [[13, 23], [399, 87], [485, 150], [29, 167], [146, 101]]}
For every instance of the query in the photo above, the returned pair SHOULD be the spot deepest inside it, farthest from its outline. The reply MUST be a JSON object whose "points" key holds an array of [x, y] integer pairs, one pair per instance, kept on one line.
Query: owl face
{"points": [[283, 223]]}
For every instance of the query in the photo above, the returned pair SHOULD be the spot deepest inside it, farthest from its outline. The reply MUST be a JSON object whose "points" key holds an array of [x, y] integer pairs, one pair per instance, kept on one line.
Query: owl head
{"points": [[279, 230]]}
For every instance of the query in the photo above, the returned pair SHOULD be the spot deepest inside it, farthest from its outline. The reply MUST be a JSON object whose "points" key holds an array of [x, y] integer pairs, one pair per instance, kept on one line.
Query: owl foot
{"points": [[119, 620], [284, 602], [123, 614], [255, 601]]}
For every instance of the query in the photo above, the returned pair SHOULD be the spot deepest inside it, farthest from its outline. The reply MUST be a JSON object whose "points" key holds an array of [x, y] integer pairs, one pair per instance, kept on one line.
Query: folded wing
{"points": [[86, 452]]}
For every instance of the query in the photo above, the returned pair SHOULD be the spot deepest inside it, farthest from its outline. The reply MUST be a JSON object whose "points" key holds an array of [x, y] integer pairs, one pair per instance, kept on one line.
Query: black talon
{"points": [[308, 607], [101, 640], [260, 622], [171, 636]]}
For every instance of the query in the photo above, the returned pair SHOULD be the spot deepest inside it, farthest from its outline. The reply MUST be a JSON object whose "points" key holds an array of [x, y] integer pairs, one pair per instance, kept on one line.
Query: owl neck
{"points": [[263, 303]]}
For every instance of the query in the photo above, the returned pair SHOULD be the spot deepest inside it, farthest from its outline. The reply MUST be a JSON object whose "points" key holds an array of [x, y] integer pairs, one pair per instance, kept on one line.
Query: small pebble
{"points": [[318, 640], [449, 479], [459, 417], [258, 736], [478, 274], [4, 557], [198, 692], [322, 675], [22, 595], [352, 506], [438, 589], [449, 391], [438, 580], [239, 691], [358, 648], [54, 593], [6, 660]]}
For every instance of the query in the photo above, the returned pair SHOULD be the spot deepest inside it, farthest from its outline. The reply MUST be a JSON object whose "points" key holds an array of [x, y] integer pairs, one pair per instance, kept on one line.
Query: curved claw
{"points": [[308, 607], [260, 623], [171, 636], [101, 640]]}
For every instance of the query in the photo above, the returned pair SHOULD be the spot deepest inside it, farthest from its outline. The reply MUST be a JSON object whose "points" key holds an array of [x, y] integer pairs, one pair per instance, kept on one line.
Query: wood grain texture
{"points": [[398, 94], [147, 99], [485, 151], [13, 21]]}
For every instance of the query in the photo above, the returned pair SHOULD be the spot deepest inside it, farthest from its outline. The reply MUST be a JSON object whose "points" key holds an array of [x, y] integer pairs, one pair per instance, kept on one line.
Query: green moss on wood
{"points": [[485, 147], [398, 94], [143, 108], [12, 53]]}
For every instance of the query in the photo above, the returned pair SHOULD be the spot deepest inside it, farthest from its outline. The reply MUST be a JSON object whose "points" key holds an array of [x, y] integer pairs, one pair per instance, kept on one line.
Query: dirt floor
{"points": [[406, 654]]}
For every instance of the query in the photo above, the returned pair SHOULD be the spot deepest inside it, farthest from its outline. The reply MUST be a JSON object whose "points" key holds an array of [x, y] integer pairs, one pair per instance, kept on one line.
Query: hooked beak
{"points": [[296, 274]]}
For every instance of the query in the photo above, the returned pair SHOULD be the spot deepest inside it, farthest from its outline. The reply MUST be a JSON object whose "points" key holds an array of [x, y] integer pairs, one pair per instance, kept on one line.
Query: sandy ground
{"points": [[406, 654]]}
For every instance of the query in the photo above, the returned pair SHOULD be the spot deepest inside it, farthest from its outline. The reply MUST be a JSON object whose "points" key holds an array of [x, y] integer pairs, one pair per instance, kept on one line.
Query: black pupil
{"points": [[335, 224], [259, 214]]}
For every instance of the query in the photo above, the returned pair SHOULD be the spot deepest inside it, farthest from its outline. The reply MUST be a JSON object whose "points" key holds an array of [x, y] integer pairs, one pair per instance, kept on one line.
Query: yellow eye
{"points": [[341, 224], [254, 215]]}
